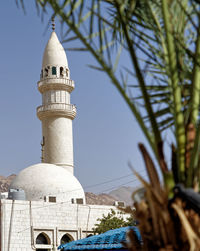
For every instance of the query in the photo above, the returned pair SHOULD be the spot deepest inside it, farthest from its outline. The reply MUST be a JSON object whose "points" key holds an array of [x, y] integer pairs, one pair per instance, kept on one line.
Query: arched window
{"points": [[42, 239], [46, 71], [89, 235], [53, 70], [65, 239], [67, 72], [61, 71]]}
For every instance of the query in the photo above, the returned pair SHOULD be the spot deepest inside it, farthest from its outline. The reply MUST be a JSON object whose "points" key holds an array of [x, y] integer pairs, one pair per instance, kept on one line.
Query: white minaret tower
{"points": [[56, 113]]}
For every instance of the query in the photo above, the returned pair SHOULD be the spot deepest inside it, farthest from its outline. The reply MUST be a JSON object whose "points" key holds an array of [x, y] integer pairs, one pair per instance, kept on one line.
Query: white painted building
{"points": [[22, 222], [47, 204]]}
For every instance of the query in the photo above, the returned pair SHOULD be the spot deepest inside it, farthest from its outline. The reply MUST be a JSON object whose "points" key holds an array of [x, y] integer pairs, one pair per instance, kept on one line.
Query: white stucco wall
{"points": [[58, 148], [22, 221], [55, 96]]}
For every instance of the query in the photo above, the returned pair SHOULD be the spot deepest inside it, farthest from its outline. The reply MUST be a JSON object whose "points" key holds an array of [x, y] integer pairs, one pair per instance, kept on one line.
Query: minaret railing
{"points": [[56, 106]]}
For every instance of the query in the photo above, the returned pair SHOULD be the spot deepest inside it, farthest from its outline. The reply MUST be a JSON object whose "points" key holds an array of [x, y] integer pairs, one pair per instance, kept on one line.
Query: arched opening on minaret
{"points": [[46, 71], [67, 72], [61, 71]]}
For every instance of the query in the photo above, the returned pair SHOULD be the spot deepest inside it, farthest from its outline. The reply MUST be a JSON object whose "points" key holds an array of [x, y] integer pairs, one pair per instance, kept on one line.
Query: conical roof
{"points": [[54, 53]]}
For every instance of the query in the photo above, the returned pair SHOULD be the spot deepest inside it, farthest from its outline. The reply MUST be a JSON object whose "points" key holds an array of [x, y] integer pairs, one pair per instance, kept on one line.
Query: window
{"points": [[67, 72], [61, 71], [65, 239], [42, 239], [53, 70], [46, 71], [52, 199], [89, 235]]}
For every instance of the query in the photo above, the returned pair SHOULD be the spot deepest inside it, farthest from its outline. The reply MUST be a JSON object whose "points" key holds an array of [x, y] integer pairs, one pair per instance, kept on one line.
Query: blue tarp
{"points": [[109, 240]]}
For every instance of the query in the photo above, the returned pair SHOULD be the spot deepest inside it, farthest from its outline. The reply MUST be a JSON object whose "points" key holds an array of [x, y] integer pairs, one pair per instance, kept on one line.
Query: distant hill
{"points": [[123, 194], [99, 199], [5, 182], [120, 194]]}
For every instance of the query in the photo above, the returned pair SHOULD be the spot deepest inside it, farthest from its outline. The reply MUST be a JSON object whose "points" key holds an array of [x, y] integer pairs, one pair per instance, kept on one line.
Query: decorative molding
{"points": [[56, 110], [56, 84]]}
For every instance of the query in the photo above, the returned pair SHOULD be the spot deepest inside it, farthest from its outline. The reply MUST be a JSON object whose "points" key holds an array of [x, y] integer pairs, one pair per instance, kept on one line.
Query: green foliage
{"points": [[112, 221]]}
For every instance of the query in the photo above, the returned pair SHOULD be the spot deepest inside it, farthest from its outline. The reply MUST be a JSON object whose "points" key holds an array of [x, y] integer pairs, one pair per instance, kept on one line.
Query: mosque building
{"points": [[46, 205]]}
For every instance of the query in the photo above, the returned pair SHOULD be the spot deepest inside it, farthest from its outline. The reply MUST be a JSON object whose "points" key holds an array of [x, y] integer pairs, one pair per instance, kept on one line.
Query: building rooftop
{"points": [[44, 179], [111, 239]]}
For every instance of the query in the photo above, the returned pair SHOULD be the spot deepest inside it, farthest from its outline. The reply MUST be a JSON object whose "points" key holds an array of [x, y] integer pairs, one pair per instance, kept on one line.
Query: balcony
{"points": [[56, 109], [56, 84]]}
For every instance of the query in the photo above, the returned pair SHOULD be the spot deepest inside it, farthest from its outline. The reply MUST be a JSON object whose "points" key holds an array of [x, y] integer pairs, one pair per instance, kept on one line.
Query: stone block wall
{"points": [[23, 221]]}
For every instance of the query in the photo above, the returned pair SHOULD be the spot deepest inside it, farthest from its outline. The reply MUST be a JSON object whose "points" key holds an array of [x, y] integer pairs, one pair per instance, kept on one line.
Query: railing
{"points": [[57, 106], [47, 81]]}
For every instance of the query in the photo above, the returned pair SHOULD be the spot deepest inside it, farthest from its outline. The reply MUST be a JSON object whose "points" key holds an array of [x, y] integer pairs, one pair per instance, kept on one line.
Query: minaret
{"points": [[56, 113]]}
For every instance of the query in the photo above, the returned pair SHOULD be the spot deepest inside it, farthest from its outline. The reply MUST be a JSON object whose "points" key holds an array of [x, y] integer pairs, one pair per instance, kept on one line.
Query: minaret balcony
{"points": [[56, 109], [56, 84]]}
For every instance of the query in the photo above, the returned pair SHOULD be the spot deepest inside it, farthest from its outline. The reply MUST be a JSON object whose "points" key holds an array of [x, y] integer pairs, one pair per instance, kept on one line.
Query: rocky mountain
{"points": [[5, 182], [120, 194], [99, 199], [123, 194]]}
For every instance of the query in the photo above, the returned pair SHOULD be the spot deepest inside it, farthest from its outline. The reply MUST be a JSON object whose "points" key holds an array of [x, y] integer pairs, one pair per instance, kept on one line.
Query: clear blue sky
{"points": [[105, 132]]}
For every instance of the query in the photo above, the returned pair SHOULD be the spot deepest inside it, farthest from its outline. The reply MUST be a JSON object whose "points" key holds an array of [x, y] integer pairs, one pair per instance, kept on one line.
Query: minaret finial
{"points": [[53, 23]]}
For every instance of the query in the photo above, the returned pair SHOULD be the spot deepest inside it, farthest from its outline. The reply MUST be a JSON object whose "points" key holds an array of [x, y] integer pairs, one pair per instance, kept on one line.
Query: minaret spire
{"points": [[56, 112], [53, 24]]}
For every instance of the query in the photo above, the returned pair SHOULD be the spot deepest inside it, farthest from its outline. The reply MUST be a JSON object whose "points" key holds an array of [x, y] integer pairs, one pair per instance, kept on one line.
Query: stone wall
{"points": [[23, 221]]}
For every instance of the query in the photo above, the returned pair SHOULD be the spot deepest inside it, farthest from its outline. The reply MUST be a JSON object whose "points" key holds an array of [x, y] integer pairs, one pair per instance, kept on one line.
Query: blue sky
{"points": [[105, 132]]}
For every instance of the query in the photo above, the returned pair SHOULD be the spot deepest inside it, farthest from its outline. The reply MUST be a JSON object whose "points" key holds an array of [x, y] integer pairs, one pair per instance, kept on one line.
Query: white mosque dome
{"points": [[43, 179], [54, 53]]}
